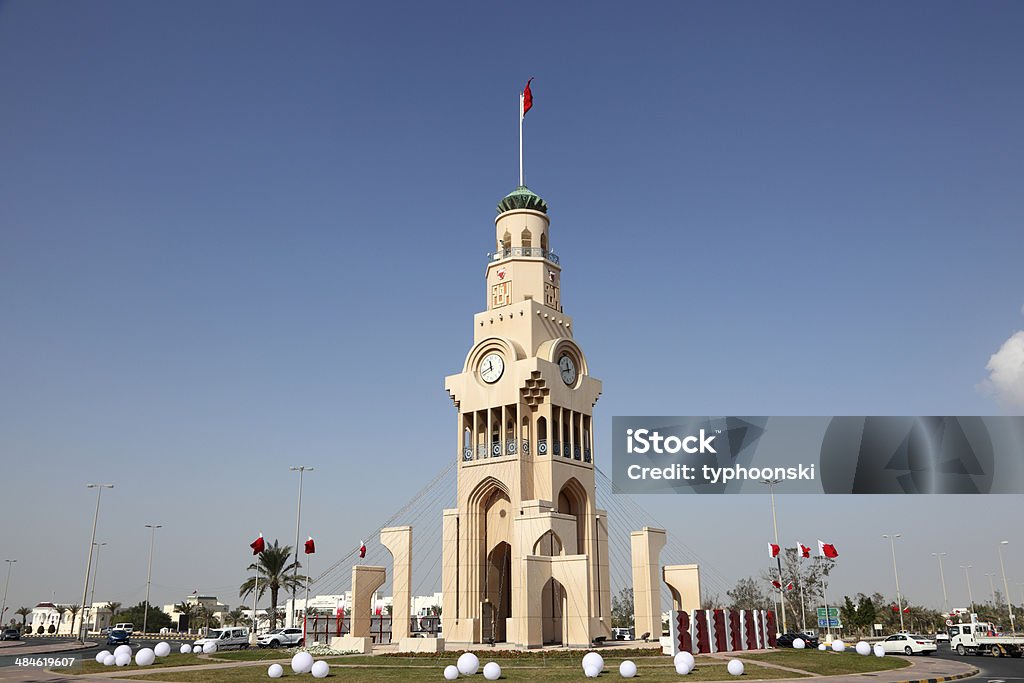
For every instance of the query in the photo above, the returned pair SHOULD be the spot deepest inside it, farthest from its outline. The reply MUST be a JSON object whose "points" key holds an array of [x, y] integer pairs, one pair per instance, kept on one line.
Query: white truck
{"points": [[979, 637]]}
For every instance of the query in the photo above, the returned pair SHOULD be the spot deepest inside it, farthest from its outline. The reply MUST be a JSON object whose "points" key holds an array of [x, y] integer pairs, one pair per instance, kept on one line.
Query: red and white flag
{"points": [[895, 608], [362, 550], [527, 98], [906, 609], [258, 545], [773, 550], [827, 550], [790, 586], [776, 584], [310, 546], [804, 550]]}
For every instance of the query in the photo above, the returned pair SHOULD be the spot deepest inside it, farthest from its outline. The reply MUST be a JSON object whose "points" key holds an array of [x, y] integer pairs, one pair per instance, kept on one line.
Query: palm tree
{"points": [[236, 615], [74, 609], [23, 612], [113, 607], [275, 572]]}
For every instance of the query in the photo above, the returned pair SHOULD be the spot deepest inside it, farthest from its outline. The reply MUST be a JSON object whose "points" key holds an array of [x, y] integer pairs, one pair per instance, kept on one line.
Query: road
{"points": [[10, 672], [993, 669]]}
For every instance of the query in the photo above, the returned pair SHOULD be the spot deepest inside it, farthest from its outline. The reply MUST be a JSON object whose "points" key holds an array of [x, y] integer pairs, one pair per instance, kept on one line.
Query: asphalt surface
{"points": [[9, 660], [993, 669]]}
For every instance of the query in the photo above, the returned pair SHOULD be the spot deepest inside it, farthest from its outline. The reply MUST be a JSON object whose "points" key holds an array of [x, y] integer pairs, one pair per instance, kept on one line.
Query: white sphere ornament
{"points": [[684, 658], [185, 649], [302, 662], [468, 664], [879, 650], [162, 649], [123, 650], [275, 671], [682, 669], [145, 657], [799, 643], [591, 671], [492, 671], [101, 655], [122, 660], [451, 672], [109, 660], [838, 646], [593, 659], [863, 648], [735, 667], [210, 647], [822, 647], [320, 669], [627, 669], [196, 649]]}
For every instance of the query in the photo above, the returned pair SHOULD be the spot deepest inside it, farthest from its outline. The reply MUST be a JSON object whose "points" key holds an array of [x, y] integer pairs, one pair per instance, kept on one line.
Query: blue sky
{"points": [[220, 222]]}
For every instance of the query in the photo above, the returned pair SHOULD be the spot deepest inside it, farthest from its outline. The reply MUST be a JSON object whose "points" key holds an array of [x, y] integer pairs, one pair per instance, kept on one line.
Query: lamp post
{"points": [[967, 575], [1006, 586], [778, 558], [95, 577], [301, 469], [942, 577], [3, 608], [899, 598], [88, 565], [149, 575]]}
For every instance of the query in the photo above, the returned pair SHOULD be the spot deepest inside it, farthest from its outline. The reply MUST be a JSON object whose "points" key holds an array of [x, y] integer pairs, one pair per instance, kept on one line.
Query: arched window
{"points": [[527, 238], [506, 241], [544, 241]]}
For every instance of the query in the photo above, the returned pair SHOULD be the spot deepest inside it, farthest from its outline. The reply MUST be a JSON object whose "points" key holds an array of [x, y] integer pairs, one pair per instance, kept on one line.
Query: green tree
{"points": [[24, 613], [236, 615], [622, 609], [155, 619], [848, 613], [748, 594], [185, 609], [114, 608], [809, 574], [275, 571], [866, 613], [73, 610]]}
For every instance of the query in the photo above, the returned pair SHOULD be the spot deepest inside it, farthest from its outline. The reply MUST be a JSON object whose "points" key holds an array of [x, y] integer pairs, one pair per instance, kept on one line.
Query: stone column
{"points": [[398, 540], [684, 582], [646, 546], [365, 580]]}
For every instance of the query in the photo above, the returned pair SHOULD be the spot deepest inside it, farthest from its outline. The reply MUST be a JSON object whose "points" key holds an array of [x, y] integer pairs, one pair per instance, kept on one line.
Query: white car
{"points": [[941, 637], [909, 644], [226, 638], [282, 637]]}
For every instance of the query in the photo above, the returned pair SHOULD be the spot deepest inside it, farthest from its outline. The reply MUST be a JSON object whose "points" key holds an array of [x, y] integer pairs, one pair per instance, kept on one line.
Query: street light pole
{"points": [[778, 558], [899, 598], [1006, 586], [149, 575], [942, 577], [88, 565], [301, 469], [992, 587], [3, 609], [967, 575], [95, 577]]}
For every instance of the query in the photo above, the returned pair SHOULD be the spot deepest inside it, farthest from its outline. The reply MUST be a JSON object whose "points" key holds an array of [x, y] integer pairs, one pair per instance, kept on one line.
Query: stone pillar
{"points": [[646, 546], [365, 580], [398, 540], [683, 581]]}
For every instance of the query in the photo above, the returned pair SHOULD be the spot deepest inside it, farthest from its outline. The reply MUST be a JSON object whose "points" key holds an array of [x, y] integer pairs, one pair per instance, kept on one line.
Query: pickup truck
{"points": [[977, 638]]}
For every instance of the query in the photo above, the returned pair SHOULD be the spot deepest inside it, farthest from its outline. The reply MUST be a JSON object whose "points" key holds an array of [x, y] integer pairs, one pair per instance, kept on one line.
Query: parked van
{"points": [[125, 626], [226, 638]]}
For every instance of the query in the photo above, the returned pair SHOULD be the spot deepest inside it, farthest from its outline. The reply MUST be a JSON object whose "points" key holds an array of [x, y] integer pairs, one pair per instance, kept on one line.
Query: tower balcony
{"points": [[528, 252], [510, 447]]}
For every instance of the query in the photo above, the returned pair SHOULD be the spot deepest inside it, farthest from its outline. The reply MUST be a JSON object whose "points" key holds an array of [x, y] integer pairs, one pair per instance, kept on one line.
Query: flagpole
{"points": [[521, 183], [305, 603]]}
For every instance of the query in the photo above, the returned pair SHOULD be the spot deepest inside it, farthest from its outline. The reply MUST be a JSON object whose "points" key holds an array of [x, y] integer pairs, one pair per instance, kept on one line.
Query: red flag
{"points": [[789, 586], [362, 550], [906, 609], [258, 545], [804, 550], [895, 608], [310, 546], [773, 550], [827, 550], [777, 584], [527, 97]]}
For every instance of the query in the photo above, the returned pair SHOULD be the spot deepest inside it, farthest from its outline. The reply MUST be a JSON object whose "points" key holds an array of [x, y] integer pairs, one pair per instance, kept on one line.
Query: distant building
{"points": [[56, 618], [187, 622]]}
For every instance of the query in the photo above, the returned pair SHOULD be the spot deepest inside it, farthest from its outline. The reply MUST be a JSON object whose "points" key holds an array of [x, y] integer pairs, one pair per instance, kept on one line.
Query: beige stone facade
{"points": [[525, 551]]}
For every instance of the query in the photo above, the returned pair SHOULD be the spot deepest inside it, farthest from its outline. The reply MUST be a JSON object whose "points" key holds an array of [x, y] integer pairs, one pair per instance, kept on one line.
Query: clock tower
{"points": [[525, 552]]}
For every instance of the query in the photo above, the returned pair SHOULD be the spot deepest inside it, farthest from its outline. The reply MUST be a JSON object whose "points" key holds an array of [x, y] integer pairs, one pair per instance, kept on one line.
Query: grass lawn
{"points": [[829, 663]]}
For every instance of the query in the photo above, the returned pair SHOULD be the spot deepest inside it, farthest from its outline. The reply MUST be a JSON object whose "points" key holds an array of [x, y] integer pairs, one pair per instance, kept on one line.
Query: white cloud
{"points": [[1006, 373]]}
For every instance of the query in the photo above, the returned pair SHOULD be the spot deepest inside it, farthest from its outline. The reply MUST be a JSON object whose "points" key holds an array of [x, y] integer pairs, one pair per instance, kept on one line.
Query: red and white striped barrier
{"points": [[721, 630]]}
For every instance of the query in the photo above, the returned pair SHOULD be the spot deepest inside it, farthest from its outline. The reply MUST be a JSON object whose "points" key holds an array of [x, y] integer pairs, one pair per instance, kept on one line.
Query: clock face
{"points": [[491, 368], [567, 369]]}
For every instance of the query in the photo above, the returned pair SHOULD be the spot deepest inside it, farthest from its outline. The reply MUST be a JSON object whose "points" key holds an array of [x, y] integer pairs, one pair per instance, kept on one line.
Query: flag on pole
{"points": [[527, 98], [258, 545], [827, 550], [906, 609], [773, 550], [895, 608], [790, 586], [310, 546], [362, 550], [804, 550], [777, 585]]}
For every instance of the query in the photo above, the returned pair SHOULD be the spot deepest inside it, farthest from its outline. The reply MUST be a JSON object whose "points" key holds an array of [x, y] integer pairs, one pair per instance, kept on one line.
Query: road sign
{"points": [[828, 623], [832, 612]]}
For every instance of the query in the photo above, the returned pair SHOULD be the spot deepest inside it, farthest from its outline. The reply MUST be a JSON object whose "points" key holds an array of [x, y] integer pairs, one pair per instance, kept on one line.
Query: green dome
{"points": [[522, 198]]}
